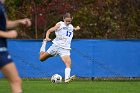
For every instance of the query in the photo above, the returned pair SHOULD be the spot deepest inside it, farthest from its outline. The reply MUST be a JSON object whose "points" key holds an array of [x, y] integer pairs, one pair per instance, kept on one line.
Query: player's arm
{"points": [[13, 24], [51, 30], [77, 28], [8, 34]]}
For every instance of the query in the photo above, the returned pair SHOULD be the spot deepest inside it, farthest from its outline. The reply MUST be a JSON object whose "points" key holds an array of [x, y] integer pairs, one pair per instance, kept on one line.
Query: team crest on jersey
{"points": [[65, 28]]}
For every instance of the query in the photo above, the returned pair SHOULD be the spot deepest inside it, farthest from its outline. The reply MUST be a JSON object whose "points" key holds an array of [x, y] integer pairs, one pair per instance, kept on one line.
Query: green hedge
{"points": [[111, 19]]}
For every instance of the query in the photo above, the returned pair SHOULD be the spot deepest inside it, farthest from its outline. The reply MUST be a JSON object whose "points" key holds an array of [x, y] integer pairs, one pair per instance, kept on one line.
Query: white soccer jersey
{"points": [[64, 35]]}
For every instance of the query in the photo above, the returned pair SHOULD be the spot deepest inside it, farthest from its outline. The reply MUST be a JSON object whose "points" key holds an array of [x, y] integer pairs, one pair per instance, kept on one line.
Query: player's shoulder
{"points": [[60, 22], [71, 26], [2, 8]]}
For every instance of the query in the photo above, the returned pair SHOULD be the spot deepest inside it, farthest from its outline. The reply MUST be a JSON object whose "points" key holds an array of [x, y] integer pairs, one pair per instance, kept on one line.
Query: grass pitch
{"points": [[80, 86]]}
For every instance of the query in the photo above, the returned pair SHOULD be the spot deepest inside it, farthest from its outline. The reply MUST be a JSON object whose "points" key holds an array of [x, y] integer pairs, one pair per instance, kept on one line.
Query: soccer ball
{"points": [[56, 78]]}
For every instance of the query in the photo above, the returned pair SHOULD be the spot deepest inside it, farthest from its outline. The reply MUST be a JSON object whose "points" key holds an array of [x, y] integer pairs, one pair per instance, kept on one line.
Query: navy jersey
{"points": [[3, 42]]}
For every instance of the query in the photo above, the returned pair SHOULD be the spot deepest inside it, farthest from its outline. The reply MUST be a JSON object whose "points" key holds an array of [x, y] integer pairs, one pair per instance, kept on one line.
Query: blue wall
{"points": [[90, 58]]}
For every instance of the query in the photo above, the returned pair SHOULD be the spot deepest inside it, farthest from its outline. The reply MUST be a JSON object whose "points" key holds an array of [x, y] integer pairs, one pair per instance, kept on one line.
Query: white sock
{"points": [[67, 73], [43, 47]]}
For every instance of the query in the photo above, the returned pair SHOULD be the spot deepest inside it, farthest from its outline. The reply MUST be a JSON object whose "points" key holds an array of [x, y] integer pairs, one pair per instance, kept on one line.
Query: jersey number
{"points": [[68, 34]]}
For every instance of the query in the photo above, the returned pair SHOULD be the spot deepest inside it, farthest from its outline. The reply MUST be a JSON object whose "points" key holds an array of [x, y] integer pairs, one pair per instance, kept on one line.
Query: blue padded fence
{"points": [[90, 58]]}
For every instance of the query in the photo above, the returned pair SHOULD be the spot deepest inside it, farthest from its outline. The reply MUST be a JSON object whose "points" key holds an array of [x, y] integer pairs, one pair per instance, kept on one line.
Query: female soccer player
{"points": [[61, 44], [7, 66]]}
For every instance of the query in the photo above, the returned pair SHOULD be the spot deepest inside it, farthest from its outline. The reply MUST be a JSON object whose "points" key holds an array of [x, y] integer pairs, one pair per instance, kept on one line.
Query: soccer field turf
{"points": [[80, 86]]}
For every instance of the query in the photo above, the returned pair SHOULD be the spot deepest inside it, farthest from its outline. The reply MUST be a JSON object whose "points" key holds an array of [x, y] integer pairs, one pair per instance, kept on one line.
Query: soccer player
{"points": [[7, 65], [61, 44]]}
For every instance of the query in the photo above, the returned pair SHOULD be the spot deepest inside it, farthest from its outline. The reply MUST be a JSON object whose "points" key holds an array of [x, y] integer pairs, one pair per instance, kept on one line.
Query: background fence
{"points": [[90, 58]]}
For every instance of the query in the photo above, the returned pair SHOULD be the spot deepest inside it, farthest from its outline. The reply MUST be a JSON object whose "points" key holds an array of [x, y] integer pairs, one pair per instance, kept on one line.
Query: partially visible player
{"points": [[7, 66], [61, 44]]}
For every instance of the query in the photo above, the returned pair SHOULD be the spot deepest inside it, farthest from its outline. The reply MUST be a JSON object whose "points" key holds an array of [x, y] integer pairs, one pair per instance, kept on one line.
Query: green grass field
{"points": [[80, 86]]}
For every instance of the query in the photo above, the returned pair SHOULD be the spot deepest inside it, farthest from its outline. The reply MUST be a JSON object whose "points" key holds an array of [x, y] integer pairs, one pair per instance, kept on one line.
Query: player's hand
{"points": [[12, 34], [77, 28], [26, 22], [48, 39]]}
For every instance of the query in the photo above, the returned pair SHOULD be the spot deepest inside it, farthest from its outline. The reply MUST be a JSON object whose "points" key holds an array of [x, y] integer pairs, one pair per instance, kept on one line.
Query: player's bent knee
{"points": [[42, 59]]}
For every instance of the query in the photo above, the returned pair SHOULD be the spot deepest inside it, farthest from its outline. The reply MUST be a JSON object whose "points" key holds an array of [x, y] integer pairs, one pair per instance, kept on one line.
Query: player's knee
{"points": [[16, 80], [68, 65], [40, 58]]}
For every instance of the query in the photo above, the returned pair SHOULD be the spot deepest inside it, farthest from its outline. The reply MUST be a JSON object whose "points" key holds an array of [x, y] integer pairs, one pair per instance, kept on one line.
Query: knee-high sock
{"points": [[67, 73], [43, 47]]}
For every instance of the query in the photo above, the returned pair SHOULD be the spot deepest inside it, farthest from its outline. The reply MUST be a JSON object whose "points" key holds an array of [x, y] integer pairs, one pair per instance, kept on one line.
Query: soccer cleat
{"points": [[70, 79]]}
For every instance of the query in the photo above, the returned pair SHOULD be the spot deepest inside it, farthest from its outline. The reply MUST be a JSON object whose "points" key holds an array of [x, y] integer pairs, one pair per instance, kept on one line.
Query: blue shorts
{"points": [[5, 58]]}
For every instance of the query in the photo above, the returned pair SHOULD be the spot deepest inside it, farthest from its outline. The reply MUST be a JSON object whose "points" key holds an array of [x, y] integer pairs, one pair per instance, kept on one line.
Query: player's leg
{"points": [[43, 54], [11, 73], [67, 61]]}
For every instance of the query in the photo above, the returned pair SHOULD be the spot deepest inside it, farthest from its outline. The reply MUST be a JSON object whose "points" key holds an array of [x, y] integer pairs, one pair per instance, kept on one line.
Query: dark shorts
{"points": [[5, 58]]}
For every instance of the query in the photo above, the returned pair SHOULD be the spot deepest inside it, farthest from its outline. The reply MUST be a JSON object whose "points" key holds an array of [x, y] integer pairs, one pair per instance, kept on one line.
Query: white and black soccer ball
{"points": [[56, 78]]}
